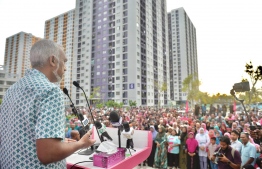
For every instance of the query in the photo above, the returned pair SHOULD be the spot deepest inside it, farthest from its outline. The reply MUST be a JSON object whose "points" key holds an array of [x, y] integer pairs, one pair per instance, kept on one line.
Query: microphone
{"points": [[65, 91], [128, 132], [83, 120], [116, 121], [114, 118], [126, 126], [102, 130], [76, 84]]}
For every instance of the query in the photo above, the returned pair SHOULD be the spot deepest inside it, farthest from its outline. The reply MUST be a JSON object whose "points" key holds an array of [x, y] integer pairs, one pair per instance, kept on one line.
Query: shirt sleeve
{"points": [[50, 118], [252, 152], [208, 140]]}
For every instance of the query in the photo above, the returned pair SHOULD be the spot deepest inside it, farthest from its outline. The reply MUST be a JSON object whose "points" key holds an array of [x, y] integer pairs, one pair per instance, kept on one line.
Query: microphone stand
{"points": [[74, 108], [119, 138], [87, 151], [232, 92]]}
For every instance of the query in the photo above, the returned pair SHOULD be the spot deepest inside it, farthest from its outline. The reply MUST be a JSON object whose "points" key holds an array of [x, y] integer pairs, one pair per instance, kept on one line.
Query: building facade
{"points": [[182, 51], [17, 53], [60, 29], [121, 51], [6, 80]]}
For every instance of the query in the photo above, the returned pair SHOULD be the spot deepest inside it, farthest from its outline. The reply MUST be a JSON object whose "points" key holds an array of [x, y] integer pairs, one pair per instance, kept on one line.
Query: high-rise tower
{"points": [[182, 51], [121, 47]]}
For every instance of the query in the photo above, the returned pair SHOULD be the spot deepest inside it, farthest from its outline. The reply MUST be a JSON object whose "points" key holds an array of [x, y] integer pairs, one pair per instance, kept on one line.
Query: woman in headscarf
{"points": [[203, 125], [150, 159], [228, 135], [182, 153], [161, 149], [191, 150], [211, 133], [223, 128], [203, 142], [218, 134]]}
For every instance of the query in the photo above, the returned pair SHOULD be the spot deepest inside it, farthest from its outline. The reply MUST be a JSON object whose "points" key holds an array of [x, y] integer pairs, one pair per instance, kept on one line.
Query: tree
{"points": [[132, 103], [95, 95], [255, 74], [0, 101], [110, 103], [204, 97], [191, 86], [160, 88], [99, 105]]}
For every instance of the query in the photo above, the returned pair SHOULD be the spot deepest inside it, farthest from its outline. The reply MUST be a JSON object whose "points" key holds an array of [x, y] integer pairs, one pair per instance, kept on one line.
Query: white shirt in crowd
{"points": [[203, 140], [236, 145]]}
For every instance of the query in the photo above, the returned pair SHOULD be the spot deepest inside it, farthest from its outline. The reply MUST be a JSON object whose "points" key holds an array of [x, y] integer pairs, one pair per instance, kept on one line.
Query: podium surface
{"points": [[142, 144]]}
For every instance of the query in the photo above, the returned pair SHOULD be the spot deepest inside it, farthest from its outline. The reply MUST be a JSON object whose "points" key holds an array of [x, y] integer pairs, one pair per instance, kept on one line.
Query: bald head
{"points": [[75, 135]]}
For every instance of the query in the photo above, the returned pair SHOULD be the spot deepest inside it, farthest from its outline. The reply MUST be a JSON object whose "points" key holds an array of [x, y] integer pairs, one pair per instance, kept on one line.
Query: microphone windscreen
{"points": [[76, 84], [126, 126], [65, 91], [114, 117], [98, 125]]}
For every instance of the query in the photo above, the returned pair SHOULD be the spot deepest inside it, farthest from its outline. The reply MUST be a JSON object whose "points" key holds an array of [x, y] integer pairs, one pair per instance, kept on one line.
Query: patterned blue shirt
{"points": [[32, 109]]}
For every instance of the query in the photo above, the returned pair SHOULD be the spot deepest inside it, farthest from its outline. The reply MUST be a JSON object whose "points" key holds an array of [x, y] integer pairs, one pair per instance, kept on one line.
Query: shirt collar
{"points": [[248, 143], [30, 72]]}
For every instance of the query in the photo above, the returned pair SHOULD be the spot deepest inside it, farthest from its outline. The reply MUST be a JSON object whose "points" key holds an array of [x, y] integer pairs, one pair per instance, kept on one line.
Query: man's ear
{"points": [[52, 61]]}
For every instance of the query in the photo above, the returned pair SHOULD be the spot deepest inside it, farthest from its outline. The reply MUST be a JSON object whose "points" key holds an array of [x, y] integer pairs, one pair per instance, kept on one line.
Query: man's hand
{"points": [[86, 141], [223, 159], [202, 148]]}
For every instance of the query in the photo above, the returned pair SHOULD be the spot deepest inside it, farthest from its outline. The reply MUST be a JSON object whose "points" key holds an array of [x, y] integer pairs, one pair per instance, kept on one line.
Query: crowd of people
{"points": [[32, 129], [199, 139]]}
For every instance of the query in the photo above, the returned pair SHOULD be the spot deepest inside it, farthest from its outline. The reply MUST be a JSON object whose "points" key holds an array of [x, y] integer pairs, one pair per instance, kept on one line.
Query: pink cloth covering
{"points": [[191, 144]]}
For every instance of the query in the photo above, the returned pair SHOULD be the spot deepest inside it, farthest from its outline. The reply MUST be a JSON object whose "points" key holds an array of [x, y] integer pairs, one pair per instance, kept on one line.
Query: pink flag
{"points": [[234, 106], [186, 106]]}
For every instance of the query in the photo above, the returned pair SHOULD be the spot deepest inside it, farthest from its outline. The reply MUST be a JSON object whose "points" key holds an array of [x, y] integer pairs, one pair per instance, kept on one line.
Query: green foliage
{"points": [[132, 103], [191, 86], [205, 98], [99, 105], [70, 116], [112, 103], [255, 98], [95, 95], [120, 105], [255, 74], [0, 101]]}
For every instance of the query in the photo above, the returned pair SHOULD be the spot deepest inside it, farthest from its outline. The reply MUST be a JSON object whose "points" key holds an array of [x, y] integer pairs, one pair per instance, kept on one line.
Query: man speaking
{"points": [[32, 114]]}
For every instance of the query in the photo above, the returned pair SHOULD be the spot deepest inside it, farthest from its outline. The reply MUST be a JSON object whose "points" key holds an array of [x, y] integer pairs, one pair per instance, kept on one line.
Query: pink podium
{"points": [[142, 145]]}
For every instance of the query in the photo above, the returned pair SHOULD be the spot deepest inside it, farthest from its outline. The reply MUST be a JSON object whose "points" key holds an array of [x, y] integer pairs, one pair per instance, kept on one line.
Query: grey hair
{"points": [[42, 50]]}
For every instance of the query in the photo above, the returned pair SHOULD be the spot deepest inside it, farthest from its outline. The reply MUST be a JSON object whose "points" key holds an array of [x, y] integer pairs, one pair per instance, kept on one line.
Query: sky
{"points": [[229, 33]]}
